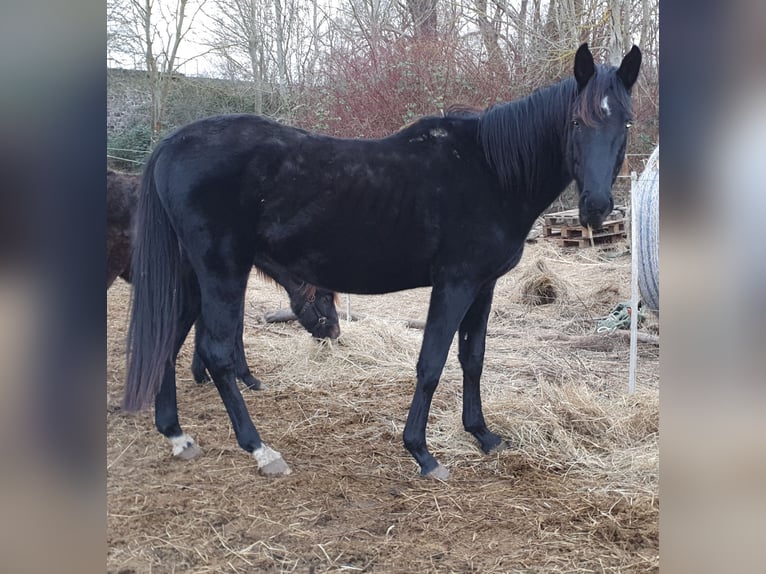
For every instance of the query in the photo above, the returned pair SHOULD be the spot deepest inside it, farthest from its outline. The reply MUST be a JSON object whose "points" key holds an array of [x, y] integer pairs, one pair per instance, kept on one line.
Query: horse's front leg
{"points": [[447, 307], [472, 337]]}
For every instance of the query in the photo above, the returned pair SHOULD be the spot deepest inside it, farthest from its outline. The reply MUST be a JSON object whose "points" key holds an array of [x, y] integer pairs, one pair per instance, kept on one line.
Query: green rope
{"points": [[619, 318]]}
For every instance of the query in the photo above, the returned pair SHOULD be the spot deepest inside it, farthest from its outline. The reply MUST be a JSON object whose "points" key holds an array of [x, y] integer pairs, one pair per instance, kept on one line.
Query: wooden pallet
{"points": [[616, 227], [564, 228], [586, 241]]}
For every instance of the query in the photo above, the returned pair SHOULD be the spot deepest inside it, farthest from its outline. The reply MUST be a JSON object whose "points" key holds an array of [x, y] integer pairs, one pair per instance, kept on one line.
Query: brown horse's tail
{"points": [[156, 277]]}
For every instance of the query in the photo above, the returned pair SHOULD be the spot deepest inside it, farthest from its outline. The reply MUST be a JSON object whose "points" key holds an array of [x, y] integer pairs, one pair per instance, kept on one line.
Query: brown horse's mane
{"points": [[307, 290], [266, 278]]}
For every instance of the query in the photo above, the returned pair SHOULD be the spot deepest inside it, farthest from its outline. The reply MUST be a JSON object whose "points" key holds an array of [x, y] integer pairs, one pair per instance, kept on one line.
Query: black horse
{"points": [[313, 307], [446, 202]]}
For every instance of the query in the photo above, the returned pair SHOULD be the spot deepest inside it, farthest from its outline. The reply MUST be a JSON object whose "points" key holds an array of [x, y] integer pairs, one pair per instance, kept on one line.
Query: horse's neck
{"points": [[534, 170], [546, 174]]}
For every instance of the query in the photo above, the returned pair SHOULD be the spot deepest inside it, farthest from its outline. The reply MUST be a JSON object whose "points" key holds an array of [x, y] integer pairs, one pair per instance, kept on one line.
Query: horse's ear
{"points": [[584, 68], [631, 63]]}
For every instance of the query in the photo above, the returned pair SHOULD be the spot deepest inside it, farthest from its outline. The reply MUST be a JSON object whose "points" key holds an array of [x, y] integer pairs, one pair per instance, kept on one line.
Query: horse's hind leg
{"points": [[472, 337], [198, 368], [221, 306], [243, 371], [165, 405], [199, 371]]}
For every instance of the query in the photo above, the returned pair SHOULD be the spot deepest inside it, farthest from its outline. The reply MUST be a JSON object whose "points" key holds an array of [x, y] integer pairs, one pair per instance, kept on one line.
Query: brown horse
{"points": [[314, 307]]}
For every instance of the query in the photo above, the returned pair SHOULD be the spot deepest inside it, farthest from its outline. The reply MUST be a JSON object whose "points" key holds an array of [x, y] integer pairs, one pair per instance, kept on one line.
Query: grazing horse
{"points": [[314, 307], [446, 202], [121, 202]]}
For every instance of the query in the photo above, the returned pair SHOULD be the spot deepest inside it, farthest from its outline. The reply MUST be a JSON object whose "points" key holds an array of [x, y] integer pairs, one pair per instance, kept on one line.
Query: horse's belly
{"points": [[370, 274]]}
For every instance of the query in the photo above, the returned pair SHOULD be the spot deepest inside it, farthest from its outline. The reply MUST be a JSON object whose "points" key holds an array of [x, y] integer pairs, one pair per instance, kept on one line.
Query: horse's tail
{"points": [[156, 278]]}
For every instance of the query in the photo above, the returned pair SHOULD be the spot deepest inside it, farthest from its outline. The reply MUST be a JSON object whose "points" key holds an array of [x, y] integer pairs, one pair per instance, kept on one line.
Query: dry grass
{"points": [[576, 491]]}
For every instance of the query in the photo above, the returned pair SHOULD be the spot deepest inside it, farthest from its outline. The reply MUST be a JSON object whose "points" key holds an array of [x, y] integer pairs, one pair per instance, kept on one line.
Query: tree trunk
{"points": [[521, 49], [644, 40], [616, 38], [254, 49], [489, 36], [281, 50], [423, 14]]}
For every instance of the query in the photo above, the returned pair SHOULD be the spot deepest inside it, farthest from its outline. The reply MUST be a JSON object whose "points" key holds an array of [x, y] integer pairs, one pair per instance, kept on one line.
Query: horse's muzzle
{"points": [[325, 330], [594, 209]]}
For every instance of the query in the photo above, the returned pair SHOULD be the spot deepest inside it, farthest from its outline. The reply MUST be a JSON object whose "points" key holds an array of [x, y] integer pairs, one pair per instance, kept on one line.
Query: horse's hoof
{"points": [[490, 442], [499, 447], [439, 473], [276, 467], [270, 462], [184, 447], [252, 383], [201, 380], [190, 452]]}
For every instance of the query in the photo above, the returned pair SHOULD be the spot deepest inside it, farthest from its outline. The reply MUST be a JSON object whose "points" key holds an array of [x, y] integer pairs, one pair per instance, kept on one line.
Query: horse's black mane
{"points": [[512, 133]]}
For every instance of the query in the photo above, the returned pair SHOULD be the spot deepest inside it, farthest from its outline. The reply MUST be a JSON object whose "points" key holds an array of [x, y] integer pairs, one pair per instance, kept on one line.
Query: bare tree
{"points": [[238, 33], [267, 41], [149, 27]]}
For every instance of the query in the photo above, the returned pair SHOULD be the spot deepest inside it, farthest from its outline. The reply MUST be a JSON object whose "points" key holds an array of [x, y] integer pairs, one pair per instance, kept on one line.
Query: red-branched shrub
{"points": [[374, 93]]}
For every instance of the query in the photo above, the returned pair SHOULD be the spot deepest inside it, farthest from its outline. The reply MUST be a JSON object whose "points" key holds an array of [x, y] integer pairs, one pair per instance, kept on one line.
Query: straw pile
{"points": [[576, 491], [539, 286]]}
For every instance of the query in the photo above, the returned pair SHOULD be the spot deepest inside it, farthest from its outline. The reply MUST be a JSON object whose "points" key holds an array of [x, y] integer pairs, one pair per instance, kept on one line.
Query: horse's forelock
{"points": [[308, 291], [588, 105]]}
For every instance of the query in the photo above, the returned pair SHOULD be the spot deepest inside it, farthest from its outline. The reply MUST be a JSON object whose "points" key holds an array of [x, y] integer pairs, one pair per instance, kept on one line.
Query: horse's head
{"points": [[315, 309], [598, 130]]}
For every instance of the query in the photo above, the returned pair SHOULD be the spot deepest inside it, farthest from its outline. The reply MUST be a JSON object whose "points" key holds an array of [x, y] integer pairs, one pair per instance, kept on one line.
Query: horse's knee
{"points": [[471, 363], [472, 371], [428, 377]]}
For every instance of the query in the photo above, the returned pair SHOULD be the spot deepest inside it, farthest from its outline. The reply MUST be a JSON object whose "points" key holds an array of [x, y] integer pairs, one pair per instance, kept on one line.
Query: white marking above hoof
{"points": [[439, 473], [184, 447], [270, 462]]}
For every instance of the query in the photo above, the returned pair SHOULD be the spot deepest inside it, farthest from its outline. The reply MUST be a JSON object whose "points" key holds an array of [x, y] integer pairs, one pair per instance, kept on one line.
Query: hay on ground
{"points": [[576, 489]]}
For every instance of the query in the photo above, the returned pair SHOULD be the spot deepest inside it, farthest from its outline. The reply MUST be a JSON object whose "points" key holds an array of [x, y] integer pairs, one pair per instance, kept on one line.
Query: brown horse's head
{"points": [[315, 309]]}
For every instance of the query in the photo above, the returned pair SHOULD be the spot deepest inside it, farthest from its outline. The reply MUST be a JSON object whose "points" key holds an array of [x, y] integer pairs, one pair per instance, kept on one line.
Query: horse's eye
{"points": [[575, 122], [629, 124]]}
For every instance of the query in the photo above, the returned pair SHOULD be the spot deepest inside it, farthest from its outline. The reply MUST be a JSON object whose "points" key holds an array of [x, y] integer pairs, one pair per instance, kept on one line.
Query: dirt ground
{"points": [[577, 491]]}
